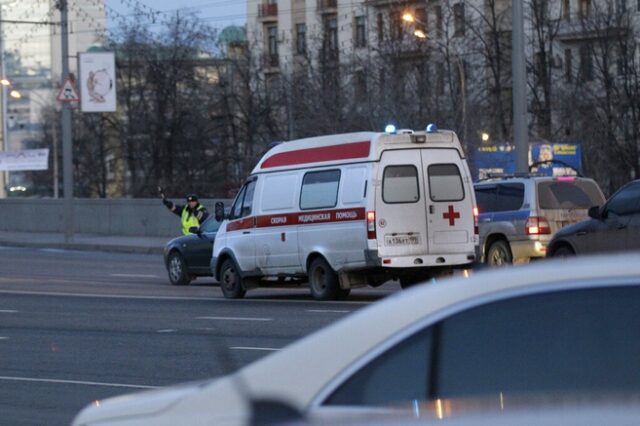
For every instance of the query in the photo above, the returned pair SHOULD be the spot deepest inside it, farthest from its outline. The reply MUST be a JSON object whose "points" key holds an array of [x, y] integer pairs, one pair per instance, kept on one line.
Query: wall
{"points": [[125, 217]]}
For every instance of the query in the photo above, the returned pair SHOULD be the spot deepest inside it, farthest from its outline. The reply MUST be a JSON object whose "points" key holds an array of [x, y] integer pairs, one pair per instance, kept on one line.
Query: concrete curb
{"points": [[79, 246]]}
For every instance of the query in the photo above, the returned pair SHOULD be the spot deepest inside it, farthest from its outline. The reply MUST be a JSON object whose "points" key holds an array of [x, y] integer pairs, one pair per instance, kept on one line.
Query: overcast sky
{"points": [[218, 13]]}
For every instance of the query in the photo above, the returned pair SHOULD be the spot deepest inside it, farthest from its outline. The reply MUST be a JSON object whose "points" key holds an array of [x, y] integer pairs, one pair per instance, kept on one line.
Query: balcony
{"points": [[268, 12], [327, 6], [577, 27]]}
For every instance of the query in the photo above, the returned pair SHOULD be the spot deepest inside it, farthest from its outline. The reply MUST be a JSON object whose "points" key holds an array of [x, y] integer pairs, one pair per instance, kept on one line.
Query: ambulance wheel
{"points": [[499, 254], [323, 281], [230, 281], [177, 268]]}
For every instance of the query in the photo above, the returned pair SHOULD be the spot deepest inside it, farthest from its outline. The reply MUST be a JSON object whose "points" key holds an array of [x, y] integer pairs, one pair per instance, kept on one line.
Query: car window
{"points": [[486, 198], [210, 225], [565, 341], [320, 189], [237, 204], [625, 201], [445, 182], [247, 202], [510, 197], [568, 194], [400, 184], [399, 374]]}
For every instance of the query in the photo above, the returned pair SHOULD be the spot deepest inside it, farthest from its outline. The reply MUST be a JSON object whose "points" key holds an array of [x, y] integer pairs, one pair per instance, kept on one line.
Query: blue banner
{"points": [[558, 159]]}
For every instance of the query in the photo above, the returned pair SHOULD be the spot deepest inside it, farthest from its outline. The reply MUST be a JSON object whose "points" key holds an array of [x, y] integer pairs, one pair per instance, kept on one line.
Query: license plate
{"points": [[401, 240]]}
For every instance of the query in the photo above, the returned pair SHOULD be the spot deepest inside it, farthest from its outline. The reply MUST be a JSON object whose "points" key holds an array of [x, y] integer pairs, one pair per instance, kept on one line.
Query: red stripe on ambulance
{"points": [[301, 218], [346, 151]]}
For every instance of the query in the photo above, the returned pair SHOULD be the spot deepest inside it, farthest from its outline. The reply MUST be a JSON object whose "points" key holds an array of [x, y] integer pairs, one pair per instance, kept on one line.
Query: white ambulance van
{"points": [[350, 210]]}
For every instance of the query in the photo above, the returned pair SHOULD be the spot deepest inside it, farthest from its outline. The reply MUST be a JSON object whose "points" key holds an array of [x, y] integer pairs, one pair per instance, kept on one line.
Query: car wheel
{"points": [[323, 281], [230, 281], [563, 251], [499, 254], [177, 269]]}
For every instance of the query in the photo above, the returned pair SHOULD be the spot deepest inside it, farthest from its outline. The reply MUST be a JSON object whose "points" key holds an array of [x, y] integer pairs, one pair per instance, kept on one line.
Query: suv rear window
{"points": [[568, 195], [500, 198]]}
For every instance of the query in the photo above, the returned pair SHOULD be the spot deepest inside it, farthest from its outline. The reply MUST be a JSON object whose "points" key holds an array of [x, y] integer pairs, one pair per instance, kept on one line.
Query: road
{"points": [[81, 326]]}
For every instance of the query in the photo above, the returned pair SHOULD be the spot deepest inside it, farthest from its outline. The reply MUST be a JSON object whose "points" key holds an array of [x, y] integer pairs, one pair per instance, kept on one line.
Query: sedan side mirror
{"points": [[219, 211], [594, 212]]}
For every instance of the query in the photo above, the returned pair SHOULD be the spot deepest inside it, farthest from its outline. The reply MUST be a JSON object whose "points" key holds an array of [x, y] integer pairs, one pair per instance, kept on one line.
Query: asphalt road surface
{"points": [[80, 326]]}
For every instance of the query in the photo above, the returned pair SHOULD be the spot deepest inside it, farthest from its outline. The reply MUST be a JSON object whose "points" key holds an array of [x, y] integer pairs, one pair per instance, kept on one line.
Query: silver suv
{"points": [[518, 215]]}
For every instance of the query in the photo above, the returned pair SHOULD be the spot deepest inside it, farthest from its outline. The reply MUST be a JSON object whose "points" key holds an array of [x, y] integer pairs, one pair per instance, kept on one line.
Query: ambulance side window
{"points": [[244, 201], [445, 182], [320, 189], [400, 184]]}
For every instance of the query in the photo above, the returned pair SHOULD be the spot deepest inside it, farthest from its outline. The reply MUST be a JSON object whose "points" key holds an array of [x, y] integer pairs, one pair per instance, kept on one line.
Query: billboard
{"points": [[550, 159], [27, 159], [97, 82]]}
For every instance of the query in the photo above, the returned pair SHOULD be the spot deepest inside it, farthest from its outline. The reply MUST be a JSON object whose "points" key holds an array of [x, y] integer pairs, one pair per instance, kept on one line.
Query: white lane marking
{"points": [[249, 348], [4, 338], [234, 319], [134, 275], [168, 330], [328, 311], [123, 296], [77, 382], [7, 311]]}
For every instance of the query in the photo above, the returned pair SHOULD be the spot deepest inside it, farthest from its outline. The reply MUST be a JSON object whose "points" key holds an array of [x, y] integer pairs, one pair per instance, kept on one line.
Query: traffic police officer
{"points": [[191, 214]]}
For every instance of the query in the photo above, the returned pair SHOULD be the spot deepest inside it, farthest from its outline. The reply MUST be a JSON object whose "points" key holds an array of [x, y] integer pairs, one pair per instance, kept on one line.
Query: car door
{"points": [[615, 229], [400, 206], [450, 221], [241, 228], [198, 251]]}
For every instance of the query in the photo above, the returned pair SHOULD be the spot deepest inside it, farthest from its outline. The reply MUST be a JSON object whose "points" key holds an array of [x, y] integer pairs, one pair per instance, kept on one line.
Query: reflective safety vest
{"points": [[189, 219]]}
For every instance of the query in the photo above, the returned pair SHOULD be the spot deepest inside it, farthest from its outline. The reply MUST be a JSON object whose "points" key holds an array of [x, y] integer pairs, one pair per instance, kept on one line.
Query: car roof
{"points": [[530, 178], [374, 325]]}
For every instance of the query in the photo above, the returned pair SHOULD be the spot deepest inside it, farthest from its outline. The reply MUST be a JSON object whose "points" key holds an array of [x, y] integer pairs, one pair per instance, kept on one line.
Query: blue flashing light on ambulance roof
{"points": [[390, 129], [432, 128]]}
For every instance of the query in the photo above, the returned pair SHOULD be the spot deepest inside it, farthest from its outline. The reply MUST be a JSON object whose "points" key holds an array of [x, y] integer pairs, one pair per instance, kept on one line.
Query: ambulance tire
{"points": [[499, 254], [323, 281], [230, 281]]}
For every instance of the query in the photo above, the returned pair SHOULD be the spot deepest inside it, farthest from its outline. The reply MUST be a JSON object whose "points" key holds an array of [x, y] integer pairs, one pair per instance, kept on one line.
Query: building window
{"points": [[622, 60], [301, 39], [361, 35], [397, 28], [272, 46], [439, 22], [331, 34], [584, 8], [381, 27], [421, 20], [458, 19], [360, 86], [586, 63], [622, 6], [566, 9], [568, 65]]}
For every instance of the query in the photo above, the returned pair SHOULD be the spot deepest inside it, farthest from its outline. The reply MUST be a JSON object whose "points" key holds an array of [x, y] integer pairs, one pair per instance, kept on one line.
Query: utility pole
{"points": [[67, 143], [3, 106], [519, 77]]}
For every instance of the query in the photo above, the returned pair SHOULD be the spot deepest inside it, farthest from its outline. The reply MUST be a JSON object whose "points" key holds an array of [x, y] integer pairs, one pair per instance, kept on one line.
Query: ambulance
{"points": [[349, 210]]}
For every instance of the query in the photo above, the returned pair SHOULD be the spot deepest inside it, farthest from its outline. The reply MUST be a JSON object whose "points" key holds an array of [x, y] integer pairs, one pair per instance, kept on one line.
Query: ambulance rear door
{"points": [[401, 228], [449, 201]]}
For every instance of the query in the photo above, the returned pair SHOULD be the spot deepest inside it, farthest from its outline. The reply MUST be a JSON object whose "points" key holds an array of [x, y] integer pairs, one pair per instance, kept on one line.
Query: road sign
{"points": [[68, 92]]}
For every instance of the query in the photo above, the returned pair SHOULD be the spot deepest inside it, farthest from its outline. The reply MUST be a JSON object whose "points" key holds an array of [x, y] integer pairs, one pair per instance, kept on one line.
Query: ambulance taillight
{"points": [[371, 225], [476, 229]]}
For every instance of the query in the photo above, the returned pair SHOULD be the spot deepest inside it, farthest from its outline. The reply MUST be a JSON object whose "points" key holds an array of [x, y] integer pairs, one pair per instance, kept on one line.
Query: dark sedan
{"points": [[188, 256], [612, 227]]}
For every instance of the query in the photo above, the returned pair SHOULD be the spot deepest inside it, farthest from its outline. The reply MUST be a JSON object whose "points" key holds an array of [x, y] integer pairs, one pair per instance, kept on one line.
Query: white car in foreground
{"points": [[567, 327]]}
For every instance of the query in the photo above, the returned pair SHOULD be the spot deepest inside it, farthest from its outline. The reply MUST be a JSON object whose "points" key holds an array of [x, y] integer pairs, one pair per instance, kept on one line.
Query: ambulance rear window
{"points": [[445, 182], [400, 184]]}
